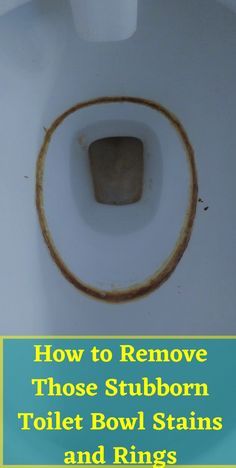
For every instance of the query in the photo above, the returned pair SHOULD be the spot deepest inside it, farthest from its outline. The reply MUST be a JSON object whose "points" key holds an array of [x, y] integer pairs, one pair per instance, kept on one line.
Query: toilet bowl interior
{"points": [[94, 239]]}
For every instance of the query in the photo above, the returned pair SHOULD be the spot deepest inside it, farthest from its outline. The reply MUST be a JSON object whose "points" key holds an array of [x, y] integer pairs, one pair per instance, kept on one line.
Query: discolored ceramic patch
{"points": [[117, 166]]}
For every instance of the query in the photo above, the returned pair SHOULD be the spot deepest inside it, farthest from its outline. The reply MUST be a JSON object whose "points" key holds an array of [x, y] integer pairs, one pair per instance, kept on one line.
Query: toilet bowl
{"points": [[116, 251], [174, 76]]}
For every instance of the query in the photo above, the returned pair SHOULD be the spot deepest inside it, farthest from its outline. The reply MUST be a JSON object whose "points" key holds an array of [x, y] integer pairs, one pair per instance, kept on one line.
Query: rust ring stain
{"points": [[160, 276]]}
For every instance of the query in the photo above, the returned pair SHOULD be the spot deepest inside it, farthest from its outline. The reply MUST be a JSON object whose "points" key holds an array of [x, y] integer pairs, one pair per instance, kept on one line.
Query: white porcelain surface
{"points": [[8, 5], [182, 55], [105, 20], [229, 3]]}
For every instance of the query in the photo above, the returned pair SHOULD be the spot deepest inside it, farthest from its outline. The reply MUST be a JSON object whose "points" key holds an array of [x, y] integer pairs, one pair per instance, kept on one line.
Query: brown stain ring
{"points": [[160, 276]]}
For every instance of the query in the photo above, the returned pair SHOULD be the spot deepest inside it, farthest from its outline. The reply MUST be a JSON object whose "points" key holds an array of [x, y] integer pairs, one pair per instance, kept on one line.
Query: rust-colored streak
{"points": [[160, 276]]}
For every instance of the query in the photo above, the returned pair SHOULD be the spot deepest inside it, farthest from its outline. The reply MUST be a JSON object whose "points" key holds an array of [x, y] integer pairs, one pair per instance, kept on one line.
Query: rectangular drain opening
{"points": [[117, 167]]}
